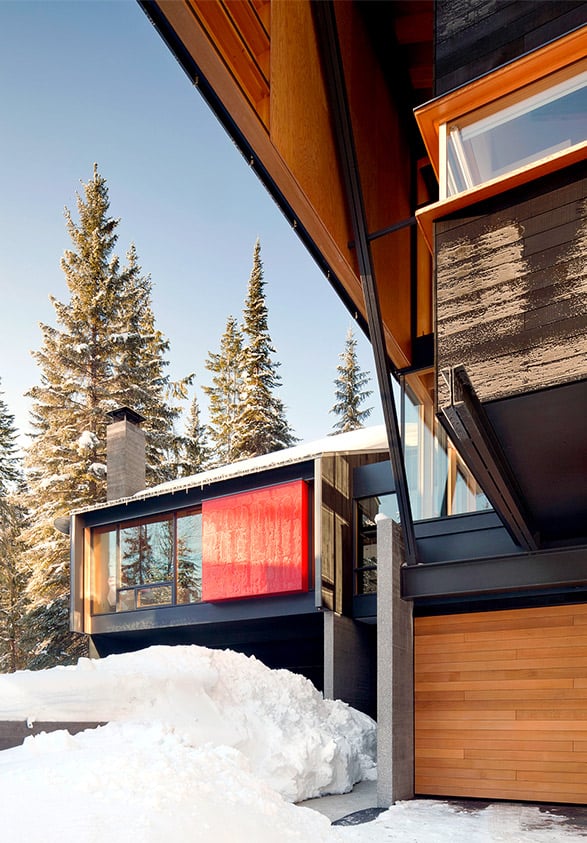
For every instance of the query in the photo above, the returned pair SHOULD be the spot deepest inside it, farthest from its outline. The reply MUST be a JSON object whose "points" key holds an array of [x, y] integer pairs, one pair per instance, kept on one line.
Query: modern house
{"points": [[432, 157], [243, 556]]}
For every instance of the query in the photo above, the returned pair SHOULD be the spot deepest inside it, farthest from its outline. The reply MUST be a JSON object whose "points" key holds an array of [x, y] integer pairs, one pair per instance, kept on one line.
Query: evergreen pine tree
{"points": [[224, 394], [13, 576], [14, 603], [194, 451], [350, 389], [139, 379], [261, 424], [105, 352], [9, 462]]}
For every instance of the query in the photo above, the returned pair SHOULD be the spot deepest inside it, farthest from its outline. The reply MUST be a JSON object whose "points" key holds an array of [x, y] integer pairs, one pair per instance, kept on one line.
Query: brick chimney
{"points": [[125, 454]]}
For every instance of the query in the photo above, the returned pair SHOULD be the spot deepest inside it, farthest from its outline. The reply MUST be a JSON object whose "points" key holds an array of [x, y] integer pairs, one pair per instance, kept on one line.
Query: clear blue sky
{"points": [[84, 82]]}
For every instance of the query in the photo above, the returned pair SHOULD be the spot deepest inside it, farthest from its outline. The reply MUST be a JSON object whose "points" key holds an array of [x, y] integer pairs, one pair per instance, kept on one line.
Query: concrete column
{"points": [[350, 662], [395, 673]]}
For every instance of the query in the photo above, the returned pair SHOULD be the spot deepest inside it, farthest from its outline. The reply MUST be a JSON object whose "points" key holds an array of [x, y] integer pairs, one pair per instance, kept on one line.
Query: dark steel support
{"points": [[497, 575], [325, 22], [389, 229], [472, 433]]}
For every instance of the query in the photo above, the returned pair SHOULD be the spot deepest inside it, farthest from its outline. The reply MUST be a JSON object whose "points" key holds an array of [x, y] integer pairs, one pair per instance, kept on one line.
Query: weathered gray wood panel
{"points": [[476, 36], [337, 528], [511, 289]]}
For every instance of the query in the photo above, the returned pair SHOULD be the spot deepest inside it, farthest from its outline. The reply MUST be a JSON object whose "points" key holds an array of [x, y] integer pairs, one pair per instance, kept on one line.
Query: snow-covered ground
{"points": [[201, 745]]}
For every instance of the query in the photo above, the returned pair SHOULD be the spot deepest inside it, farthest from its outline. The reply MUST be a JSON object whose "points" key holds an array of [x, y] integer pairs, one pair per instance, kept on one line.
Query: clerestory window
{"points": [[537, 121], [518, 123]]}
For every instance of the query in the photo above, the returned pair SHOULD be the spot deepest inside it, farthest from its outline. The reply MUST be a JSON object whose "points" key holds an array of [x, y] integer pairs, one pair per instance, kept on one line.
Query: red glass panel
{"points": [[256, 543]]}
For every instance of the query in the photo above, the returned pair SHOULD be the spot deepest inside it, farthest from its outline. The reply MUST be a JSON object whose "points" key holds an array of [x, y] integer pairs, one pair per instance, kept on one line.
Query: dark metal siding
{"points": [[292, 643], [474, 37]]}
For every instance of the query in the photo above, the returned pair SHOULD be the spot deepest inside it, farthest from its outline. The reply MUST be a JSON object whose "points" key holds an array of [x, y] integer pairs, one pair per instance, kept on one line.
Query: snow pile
{"points": [[131, 783], [293, 739], [201, 742]]}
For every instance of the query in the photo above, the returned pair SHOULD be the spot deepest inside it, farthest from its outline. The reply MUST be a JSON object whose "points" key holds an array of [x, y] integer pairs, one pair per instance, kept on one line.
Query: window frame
{"points": [[487, 91], [498, 114], [116, 527]]}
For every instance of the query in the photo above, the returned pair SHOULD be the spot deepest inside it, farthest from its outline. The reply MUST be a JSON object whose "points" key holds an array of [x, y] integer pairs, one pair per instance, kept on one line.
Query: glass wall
{"points": [[439, 482], [366, 531], [147, 562]]}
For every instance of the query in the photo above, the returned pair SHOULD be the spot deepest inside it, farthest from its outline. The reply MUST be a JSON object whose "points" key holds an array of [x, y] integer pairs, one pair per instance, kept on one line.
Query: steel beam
{"points": [[471, 431], [520, 573], [326, 29]]}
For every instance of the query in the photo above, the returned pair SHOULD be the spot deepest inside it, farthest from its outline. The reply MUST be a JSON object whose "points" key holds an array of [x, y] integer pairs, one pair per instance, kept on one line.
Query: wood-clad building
{"points": [[432, 158]]}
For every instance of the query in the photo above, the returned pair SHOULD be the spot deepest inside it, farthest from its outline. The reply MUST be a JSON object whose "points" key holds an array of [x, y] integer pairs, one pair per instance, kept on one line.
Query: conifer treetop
{"points": [[261, 425], [104, 352], [350, 392]]}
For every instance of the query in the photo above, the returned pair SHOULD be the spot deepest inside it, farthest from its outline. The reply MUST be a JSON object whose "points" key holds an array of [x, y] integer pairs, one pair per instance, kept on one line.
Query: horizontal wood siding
{"points": [[474, 37], [511, 289], [501, 704]]}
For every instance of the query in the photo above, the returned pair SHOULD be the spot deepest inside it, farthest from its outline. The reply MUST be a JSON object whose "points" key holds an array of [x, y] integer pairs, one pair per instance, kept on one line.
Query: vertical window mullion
{"points": [[175, 563]]}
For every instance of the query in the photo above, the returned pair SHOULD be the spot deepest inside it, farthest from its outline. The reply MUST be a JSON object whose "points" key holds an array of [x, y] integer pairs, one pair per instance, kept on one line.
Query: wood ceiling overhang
{"points": [[259, 66]]}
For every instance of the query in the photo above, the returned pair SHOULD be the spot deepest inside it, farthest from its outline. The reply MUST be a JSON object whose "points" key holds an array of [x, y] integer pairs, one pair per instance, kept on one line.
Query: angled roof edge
{"points": [[364, 440]]}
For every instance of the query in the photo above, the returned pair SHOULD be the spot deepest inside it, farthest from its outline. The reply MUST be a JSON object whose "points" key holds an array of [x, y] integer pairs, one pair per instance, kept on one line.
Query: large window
{"points": [[248, 544], [147, 562]]}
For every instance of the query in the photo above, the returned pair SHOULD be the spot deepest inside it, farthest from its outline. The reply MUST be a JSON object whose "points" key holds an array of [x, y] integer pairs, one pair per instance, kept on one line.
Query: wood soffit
{"points": [[239, 32], [230, 42]]}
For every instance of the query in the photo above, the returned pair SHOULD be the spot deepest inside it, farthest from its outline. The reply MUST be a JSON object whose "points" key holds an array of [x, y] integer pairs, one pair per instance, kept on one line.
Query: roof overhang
{"points": [[258, 64]]}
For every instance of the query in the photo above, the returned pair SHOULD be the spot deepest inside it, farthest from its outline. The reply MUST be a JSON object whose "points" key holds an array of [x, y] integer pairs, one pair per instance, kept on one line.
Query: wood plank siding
{"points": [[511, 288], [476, 36], [501, 704], [338, 550]]}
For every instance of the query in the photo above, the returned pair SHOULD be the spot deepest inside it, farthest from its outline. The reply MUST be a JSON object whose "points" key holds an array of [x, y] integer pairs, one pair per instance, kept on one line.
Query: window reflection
{"points": [[439, 482], [189, 558], [540, 120], [148, 562], [146, 552], [104, 542], [367, 511]]}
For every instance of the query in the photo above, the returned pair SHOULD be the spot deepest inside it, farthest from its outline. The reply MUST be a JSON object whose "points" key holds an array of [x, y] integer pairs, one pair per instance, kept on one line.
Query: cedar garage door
{"points": [[501, 704]]}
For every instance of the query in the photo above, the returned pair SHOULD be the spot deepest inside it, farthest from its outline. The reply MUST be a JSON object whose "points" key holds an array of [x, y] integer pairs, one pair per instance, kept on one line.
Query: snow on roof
{"points": [[370, 440]]}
